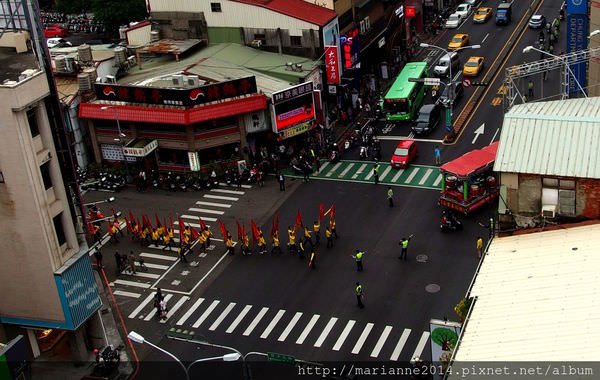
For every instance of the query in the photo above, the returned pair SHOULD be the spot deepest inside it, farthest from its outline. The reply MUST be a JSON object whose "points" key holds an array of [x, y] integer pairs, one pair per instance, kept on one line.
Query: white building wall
{"points": [[234, 15], [139, 36]]}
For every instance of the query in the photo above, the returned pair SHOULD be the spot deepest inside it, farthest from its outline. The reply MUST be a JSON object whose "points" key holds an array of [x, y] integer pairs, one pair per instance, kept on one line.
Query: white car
{"points": [[472, 2], [54, 42], [463, 10], [453, 21]]}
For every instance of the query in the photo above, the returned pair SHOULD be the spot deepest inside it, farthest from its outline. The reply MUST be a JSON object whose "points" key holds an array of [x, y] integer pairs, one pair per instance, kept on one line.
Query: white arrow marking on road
{"points": [[189, 312], [478, 131], [362, 338], [421, 345], [385, 172], [359, 171], [344, 335], [238, 319], [325, 332], [345, 171], [289, 327], [381, 341], [333, 169], [400, 345]]}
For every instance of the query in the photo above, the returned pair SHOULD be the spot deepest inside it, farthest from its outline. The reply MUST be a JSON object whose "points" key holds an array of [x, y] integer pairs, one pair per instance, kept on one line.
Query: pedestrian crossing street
{"points": [[159, 260], [421, 176], [279, 325]]}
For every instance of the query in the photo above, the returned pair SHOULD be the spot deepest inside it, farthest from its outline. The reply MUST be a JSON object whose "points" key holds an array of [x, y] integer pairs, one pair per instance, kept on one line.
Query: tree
{"points": [[445, 338], [72, 6], [114, 13]]}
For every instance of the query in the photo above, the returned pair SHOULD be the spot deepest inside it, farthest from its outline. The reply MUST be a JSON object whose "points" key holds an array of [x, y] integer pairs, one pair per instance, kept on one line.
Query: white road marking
{"points": [[206, 211], [495, 134], [346, 170], [228, 191], [218, 321], [400, 345], [272, 324], [206, 313], [412, 175], [324, 165], [132, 283], [213, 204], [363, 337], [195, 217], [371, 172], [189, 312], [333, 169], [160, 257], [126, 294], [359, 171], [485, 38], [400, 138], [220, 197], [307, 329], [427, 174], [153, 266], [175, 307], [437, 180], [381, 341], [146, 275], [161, 247], [255, 322], [344, 335], [398, 174], [325, 332], [152, 312], [421, 345], [385, 172], [195, 225], [137, 310], [289, 327], [238, 319], [235, 185]]}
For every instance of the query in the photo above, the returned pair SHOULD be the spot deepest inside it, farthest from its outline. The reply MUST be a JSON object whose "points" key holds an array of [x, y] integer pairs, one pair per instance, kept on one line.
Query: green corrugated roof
{"points": [[557, 138]]}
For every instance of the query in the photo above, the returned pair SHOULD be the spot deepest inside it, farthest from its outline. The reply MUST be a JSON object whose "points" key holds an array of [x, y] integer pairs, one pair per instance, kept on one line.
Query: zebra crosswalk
{"points": [[158, 259], [361, 339], [421, 176]]}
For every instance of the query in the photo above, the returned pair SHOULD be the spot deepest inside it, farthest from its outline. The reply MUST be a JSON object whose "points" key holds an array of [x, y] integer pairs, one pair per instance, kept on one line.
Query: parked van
{"points": [[442, 69], [503, 13]]}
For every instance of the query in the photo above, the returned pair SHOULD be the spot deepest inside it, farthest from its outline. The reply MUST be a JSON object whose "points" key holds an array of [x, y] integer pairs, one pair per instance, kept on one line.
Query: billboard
{"points": [[186, 97], [331, 64], [350, 48], [577, 40], [578, 7], [292, 106], [331, 37]]}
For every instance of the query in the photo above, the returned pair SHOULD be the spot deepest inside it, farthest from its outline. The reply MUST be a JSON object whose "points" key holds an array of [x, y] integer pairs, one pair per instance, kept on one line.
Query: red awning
{"points": [[174, 115], [471, 162]]}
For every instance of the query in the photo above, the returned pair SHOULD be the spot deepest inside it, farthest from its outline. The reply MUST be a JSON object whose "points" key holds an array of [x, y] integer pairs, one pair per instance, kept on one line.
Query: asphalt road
{"points": [[273, 303]]}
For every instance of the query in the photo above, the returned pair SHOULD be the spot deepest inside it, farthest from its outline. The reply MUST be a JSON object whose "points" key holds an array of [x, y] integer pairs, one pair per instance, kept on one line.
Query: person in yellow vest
{"points": [[202, 242], [292, 240], [307, 238], [479, 246], [187, 232], [300, 250], [229, 243], [328, 236], [136, 231], [155, 240], [167, 241], [118, 225], [160, 231], [317, 231], [207, 235], [246, 245], [276, 246], [186, 243], [143, 236], [332, 228], [112, 230], [95, 230], [262, 244]]}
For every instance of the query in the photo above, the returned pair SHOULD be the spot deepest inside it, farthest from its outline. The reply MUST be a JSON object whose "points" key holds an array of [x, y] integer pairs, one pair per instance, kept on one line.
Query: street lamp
{"points": [[527, 49], [121, 135], [230, 357], [449, 108]]}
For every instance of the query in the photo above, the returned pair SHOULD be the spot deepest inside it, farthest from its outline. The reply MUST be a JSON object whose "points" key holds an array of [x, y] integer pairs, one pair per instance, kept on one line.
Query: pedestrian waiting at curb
{"points": [[479, 246], [438, 155]]}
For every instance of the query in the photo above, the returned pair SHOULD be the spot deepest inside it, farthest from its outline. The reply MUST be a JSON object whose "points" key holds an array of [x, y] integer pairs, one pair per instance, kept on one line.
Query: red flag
{"points": [[195, 234], [333, 211], [239, 231], [140, 227], [129, 226], [181, 228], [255, 233], [223, 231], [202, 224], [171, 221], [243, 231], [321, 211], [275, 224], [165, 225], [157, 220], [131, 217], [90, 229], [146, 221], [298, 221]]}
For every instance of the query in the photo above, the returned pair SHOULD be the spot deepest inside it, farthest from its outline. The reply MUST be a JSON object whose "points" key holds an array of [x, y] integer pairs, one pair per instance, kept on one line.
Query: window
{"points": [[32, 120], [60, 231], [215, 7], [296, 40], [560, 193], [45, 169]]}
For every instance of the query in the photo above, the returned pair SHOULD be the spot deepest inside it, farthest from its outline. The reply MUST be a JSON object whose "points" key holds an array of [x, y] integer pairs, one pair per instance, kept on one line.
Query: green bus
{"points": [[404, 98]]}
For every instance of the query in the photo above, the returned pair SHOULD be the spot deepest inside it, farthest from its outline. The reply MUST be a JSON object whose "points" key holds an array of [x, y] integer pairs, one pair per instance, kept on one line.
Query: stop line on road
{"points": [[421, 176]]}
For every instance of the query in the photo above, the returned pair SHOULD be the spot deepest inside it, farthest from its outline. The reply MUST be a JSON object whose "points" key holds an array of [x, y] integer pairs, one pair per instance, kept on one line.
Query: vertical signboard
{"points": [[331, 63], [577, 40], [350, 49], [194, 161], [331, 37], [444, 336]]}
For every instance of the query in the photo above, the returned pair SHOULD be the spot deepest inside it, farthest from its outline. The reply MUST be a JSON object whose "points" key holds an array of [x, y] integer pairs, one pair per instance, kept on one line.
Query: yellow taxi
{"points": [[482, 14], [473, 66], [458, 41]]}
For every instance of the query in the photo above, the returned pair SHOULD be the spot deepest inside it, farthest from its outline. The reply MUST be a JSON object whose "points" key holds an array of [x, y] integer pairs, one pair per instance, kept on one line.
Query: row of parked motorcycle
{"points": [[178, 182], [73, 23], [102, 180]]}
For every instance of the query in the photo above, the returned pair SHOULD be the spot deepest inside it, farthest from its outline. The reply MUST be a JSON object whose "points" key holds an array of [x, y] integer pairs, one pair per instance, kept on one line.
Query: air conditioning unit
{"points": [[549, 211], [192, 81], [177, 80], [256, 43], [110, 79]]}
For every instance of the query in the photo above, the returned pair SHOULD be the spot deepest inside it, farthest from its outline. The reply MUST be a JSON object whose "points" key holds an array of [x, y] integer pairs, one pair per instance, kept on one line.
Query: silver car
{"points": [[453, 21]]}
